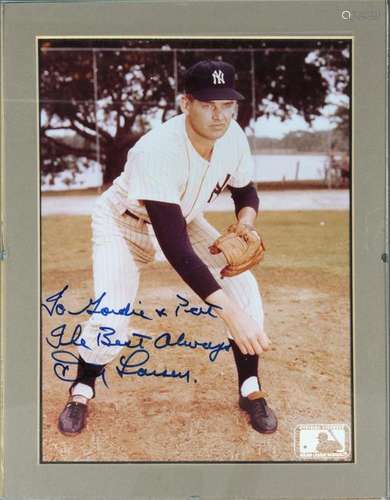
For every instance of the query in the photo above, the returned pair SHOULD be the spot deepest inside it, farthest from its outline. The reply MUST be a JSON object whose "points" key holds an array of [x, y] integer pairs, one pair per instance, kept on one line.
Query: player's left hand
{"points": [[242, 247]]}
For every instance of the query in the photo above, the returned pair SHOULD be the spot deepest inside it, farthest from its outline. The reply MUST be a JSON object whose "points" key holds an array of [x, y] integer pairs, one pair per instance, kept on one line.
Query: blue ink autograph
{"points": [[57, 339], [165, 340], [63, 360], [106, 337], [195, 310], [132, 363], [53, 305], [129, 364]]}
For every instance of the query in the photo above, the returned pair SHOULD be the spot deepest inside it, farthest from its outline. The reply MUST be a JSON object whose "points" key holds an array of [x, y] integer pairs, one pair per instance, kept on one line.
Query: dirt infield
{"points": [[305, 287]]}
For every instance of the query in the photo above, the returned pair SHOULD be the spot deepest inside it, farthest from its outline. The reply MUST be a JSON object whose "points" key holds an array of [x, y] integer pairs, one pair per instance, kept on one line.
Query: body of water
{"points": [[275, 168], [268, 168]]}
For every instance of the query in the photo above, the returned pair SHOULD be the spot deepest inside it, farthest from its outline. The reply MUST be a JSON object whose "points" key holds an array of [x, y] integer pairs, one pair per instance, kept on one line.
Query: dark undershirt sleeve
{"points": [[245, 197], [171, 231]]}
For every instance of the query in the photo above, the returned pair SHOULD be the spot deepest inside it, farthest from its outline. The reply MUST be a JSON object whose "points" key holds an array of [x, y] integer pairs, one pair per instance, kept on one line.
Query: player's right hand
{"points": [[245, 331]]}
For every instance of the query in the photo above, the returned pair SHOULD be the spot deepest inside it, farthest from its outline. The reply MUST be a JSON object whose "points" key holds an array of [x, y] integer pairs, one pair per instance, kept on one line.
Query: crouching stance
{"points": [[172, 175]]}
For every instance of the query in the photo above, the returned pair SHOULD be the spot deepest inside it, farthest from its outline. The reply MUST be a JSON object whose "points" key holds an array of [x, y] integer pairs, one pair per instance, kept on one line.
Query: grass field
{"points": [[304, 281]]}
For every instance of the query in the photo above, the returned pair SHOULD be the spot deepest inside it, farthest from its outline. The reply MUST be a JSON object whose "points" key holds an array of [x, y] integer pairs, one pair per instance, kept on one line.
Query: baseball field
{"points": [[150, 414]]}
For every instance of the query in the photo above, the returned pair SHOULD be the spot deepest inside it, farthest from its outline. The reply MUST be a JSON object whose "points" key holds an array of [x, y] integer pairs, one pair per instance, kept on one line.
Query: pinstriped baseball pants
{"points": [[122, 246]]}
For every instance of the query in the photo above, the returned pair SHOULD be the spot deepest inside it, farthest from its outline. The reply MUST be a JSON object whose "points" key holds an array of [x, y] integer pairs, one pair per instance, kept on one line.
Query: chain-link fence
{"points": [[96, 101]]}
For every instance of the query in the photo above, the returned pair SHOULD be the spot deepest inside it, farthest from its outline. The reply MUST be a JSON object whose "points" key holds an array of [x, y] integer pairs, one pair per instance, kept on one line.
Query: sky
{"points": [[273, 126]]}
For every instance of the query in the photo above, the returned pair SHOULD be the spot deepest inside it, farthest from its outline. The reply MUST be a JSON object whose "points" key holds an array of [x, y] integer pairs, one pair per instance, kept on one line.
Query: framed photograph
{"points": [[195, 250], [157, 345]]}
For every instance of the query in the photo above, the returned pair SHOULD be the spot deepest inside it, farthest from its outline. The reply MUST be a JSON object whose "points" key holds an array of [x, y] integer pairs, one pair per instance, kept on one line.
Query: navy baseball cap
{"points": [[211, 81]]}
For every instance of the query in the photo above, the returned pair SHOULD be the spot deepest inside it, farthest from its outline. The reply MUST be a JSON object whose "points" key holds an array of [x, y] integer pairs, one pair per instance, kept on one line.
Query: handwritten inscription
{"points": [[54, 306], [106, 337], [132, 365], [138, 348], [62, 363]]}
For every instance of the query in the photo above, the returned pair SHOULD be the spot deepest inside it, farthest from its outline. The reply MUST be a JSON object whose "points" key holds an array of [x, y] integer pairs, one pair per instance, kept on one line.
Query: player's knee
{"points": [[247, 282], [247, 294], [110, 328]]}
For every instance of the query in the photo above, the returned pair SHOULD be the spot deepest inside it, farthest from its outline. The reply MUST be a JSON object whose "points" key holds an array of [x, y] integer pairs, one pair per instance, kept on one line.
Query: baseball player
{"points": [[171, 176]]}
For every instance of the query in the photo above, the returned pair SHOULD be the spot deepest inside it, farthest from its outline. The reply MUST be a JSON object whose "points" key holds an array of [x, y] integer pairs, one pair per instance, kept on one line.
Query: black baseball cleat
{"points": [[262, 417], [73, 418]]}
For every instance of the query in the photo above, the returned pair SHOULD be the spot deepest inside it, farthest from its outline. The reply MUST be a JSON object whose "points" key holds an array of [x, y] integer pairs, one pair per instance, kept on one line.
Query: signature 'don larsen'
{"points": [[131, 363]]}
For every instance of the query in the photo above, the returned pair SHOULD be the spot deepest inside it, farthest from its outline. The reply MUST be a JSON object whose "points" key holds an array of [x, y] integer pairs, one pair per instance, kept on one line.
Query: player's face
{"points": [[210, 119]]}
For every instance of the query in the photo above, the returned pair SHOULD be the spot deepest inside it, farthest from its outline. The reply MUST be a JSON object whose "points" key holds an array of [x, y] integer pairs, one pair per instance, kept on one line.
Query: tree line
{"points": [[303, 142], [109, 92]]}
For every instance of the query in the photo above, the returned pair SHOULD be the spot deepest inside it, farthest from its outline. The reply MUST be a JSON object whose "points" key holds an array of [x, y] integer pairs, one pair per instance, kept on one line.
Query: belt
{"points": [[136, 217]]}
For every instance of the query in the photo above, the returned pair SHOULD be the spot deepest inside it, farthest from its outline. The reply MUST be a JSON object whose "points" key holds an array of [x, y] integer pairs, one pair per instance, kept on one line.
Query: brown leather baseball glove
{"points": [[242, 247]]}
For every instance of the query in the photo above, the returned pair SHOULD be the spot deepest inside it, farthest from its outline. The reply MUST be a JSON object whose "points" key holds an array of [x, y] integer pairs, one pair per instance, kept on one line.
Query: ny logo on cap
{"points": [[218, 77]]}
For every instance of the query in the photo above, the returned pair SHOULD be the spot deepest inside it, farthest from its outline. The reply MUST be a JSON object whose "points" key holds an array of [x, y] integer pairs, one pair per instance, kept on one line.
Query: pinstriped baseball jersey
{"points": [[164, 166], [122, 246]]}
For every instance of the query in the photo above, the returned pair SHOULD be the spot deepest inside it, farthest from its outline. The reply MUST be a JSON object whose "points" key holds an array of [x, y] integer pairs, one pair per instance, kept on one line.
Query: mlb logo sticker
{"points": [[322, 441]]}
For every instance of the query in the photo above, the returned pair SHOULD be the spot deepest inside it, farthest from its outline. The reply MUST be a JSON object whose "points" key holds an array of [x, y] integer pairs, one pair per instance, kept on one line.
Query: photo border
{"points": [[350, 245]]}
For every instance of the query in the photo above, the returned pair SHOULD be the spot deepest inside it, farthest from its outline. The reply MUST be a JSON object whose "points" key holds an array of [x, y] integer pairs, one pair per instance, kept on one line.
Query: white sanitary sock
{"points": [[82, 390], [250, 385]]}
